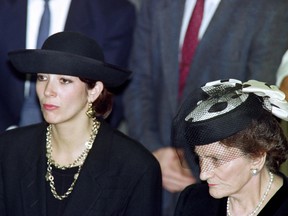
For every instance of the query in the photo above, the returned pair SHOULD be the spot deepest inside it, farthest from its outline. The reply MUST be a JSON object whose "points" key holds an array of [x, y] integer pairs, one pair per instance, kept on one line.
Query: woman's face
{"points": [[61, 97], [226, 169]]}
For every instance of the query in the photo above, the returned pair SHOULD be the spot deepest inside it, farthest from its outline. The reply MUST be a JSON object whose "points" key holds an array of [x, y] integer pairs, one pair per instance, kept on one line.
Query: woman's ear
{"points": [[94, 93], [259, 162]]}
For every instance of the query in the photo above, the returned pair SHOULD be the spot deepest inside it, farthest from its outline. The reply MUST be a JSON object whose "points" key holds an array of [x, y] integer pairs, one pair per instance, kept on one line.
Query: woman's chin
{"points": [[215, 194]]}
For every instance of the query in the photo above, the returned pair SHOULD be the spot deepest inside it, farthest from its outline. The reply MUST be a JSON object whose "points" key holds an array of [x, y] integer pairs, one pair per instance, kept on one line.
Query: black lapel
{"points": [[33, 183], [87, 17], [169, 30], [14, 22], [78, 16]]}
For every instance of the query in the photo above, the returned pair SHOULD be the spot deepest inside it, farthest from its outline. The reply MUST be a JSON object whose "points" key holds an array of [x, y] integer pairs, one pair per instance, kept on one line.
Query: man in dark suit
{"points": [[243, 40], [110, 22]]}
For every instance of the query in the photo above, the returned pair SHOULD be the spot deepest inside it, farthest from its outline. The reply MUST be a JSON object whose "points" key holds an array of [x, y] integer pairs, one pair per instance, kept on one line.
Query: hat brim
{"points": [[57, 62]]}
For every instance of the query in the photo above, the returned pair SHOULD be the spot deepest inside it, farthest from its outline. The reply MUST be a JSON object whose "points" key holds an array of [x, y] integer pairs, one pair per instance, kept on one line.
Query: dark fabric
{"points": [[72, 54], [208, 131], [62, 180], [195, 200], [119, 177], [110, 22]]}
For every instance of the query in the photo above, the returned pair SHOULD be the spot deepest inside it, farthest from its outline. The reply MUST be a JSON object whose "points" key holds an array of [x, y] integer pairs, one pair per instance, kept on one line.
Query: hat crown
{"points": [[74, 43]]}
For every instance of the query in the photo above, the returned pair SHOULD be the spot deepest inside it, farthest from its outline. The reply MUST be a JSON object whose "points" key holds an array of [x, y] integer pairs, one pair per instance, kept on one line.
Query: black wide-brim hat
{"points": [[69, 53]]}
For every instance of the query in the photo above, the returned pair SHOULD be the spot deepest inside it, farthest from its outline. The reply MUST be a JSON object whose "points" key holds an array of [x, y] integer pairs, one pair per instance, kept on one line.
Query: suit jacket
{"points": [[195, 200], [244, 40], [110, 22], [119, 176]]}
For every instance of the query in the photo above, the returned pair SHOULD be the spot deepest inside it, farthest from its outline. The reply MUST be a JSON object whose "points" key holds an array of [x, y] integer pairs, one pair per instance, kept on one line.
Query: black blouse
{"points": [[62, 180], [195, 200]]}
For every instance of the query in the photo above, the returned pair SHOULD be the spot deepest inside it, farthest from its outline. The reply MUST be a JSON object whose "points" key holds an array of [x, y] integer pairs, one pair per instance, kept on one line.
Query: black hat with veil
{"points": [[221, 109]]}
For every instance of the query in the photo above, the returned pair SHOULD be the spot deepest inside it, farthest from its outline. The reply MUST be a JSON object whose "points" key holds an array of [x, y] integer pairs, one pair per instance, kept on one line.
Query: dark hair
{"points": [[264, 135], [103, 104]]}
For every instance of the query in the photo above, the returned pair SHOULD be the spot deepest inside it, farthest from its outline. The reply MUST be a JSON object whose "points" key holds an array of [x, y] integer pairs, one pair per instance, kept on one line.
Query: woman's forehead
{"points": [[216, 148]]}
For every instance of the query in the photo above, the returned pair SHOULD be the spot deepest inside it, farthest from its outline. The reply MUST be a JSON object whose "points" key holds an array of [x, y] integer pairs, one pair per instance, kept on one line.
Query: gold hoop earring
{"points": [[90, 112]]}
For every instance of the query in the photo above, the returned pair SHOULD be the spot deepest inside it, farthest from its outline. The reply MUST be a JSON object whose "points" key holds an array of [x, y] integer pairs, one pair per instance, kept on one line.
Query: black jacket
{"points": [[119, 177], [195, 200]]}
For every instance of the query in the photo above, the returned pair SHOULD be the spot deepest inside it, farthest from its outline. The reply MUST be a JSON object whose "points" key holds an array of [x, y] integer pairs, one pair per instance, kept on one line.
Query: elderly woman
{"points": [[74, 163], [239, 145]]}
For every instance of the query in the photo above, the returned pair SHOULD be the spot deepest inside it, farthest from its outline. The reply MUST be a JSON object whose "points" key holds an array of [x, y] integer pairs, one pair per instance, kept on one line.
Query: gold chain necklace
{"points": [[80, 159], [260, 202]]}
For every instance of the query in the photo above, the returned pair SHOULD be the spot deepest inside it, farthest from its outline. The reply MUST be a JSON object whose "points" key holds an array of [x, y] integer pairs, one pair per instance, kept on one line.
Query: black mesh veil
{"points": [[215, 112]]}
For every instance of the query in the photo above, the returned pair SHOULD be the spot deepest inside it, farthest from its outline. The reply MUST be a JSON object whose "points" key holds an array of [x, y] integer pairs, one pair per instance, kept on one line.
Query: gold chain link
{"points": [[80, 159]]}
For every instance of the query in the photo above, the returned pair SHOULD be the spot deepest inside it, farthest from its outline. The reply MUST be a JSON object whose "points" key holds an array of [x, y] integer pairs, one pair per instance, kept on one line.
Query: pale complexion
{"points": [[231, 176], [64, 102]]}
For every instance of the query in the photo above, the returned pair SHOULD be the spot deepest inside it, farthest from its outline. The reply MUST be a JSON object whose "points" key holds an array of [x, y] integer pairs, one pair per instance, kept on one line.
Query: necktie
{"points": [[190, 44], [44, 26], [30, 112]]}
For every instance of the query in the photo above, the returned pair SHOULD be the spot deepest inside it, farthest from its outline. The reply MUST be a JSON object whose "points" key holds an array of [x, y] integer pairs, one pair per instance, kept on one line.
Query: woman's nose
{"points": [[205, 175], [49, 89], [206, 170]]}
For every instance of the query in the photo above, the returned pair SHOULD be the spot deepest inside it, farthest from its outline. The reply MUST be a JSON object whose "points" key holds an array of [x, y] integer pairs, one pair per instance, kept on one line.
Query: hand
{"points": [[174, 177]]}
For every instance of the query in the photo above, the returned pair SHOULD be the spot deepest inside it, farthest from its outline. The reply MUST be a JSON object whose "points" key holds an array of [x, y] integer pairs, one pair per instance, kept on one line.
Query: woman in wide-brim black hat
{"points": [[74, 163]]}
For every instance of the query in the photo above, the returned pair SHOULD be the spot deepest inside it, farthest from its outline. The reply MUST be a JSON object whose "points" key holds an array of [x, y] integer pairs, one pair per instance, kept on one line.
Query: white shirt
{"points": [[210, 7], [58, 10]]}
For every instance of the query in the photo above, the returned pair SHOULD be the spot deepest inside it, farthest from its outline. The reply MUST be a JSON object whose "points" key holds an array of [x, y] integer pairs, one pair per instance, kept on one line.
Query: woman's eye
{"points": [[214, 159], [65, 81], [41, 77]]}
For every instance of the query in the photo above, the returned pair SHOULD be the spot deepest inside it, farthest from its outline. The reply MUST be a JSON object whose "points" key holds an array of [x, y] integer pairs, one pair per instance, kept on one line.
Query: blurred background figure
{"points": [[282, 83], [110, 22], [137, 3], [282, 75], [233, 129], [179, 45]]}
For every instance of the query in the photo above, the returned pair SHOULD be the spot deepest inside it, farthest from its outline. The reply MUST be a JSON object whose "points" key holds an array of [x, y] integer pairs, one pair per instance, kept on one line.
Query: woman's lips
{"points": [[50, 107]]}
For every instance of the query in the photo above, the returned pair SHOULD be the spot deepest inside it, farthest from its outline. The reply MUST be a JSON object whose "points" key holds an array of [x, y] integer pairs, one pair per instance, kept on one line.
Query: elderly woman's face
{"points": [[61, 97], [226, 169]]}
